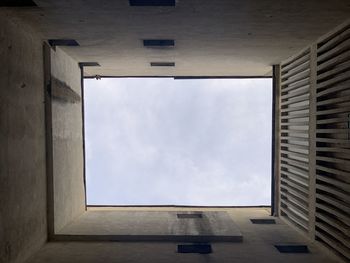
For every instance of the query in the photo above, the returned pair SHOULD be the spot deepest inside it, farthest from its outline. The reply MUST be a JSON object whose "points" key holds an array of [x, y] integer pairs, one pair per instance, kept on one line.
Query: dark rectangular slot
{"points": [[17, 3], [162, 64], [89, 64], [349, 126], [196, 215], [292, 248], [158, 42], [195, 248], [152, 2], [263, 221], [63, 42]]}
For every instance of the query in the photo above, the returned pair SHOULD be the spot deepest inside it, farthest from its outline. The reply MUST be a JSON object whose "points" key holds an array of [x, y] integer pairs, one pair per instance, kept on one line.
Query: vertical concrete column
{"points": [[81, 66], [49, 138], [312, 140], [23, 206], [276, 132], [67, 139]]}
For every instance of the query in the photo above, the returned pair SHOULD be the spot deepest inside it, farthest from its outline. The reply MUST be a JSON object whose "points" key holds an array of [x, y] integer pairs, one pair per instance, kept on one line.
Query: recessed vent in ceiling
{"points": [[263, 221], [292, 248], [17, 3], [89, 64], [195, 248], [63, 42], [162, 64], [158, 42], [193, 215], [152, 2]]}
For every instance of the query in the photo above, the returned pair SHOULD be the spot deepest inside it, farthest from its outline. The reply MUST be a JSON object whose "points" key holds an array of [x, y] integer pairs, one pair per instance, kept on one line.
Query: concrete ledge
{"points": [[211, 226], [149, 238]]}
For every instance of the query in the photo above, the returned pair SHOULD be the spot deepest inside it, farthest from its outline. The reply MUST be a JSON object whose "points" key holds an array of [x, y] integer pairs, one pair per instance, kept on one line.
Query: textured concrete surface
{"points": [[223, 37], [212, 38], [257, 246], [23, 189], [152, 226], [22, 142], [69, 196]]}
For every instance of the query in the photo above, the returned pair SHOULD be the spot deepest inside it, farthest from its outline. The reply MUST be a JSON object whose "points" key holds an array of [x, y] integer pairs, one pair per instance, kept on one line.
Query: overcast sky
{"points": [[183, 142]]}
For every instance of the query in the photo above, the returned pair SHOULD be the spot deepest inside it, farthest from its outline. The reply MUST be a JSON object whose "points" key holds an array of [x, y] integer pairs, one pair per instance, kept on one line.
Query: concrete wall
{"points": [[23, 227], [69, 196], [23, 179], [257, 246]]}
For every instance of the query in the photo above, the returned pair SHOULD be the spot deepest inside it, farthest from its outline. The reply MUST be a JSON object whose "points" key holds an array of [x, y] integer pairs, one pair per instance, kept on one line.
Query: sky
{"points": [[160, 141]]}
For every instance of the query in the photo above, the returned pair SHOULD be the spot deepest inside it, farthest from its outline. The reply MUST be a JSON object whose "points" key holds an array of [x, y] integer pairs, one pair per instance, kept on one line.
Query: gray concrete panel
{"points": [[23, 228], [222, 37], [257, 246], [68, 180], [152, 226]]}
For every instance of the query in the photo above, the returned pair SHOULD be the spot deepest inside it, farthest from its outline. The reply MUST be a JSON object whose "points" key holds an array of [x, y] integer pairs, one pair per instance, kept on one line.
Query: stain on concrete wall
{"points": [[61, 92]]}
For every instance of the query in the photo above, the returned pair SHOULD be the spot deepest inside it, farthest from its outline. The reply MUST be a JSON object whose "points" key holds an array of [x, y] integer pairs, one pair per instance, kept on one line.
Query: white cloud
{"points": [[165, 141]]}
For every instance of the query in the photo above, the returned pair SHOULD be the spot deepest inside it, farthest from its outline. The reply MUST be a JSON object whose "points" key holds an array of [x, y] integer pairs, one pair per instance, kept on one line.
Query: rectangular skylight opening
{"points": [[193, 142], [152, 2], [263, 221], [89, 64], [292, 249], [17, 3], [195, 248], [158, 42], [187, 216], [63, 42], [162, 64]]}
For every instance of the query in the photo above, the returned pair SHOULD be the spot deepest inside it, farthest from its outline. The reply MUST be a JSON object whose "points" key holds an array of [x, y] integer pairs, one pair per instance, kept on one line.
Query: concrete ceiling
{"points": [[213, 38]]}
